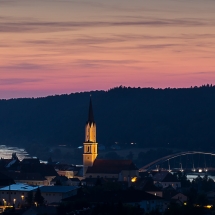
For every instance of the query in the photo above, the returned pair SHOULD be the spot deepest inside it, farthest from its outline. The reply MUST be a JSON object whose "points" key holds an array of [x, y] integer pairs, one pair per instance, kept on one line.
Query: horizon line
{"points": [[117, 87]]}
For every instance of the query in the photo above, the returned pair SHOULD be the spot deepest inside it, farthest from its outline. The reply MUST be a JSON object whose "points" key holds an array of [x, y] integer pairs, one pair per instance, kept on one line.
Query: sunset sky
{"points": [[52, 47]]}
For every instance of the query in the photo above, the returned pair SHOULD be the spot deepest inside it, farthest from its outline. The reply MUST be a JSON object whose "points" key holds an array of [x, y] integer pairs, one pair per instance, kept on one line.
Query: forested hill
{"points": [[182, 118]]}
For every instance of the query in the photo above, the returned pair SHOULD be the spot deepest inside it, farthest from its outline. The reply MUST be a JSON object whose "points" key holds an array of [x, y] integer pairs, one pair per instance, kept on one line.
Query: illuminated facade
{"points": [[90, 145], [120, 170]]}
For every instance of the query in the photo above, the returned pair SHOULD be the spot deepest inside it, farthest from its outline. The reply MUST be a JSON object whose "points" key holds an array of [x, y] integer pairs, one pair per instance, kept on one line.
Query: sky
{"points": [[50, 47]]}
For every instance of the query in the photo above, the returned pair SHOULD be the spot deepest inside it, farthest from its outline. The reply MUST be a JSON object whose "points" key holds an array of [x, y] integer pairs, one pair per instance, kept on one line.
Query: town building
{"points": [[28, 178], [164, 179], [55, 194], [120, 170], [17, 193], [70, 171]]}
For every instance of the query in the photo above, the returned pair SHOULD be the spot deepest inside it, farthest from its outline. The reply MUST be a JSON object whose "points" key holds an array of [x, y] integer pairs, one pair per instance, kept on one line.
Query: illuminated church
{"points": [[121, 170]]}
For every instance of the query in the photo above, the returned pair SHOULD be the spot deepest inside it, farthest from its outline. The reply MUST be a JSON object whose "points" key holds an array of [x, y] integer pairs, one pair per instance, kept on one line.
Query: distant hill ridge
{"points": [[182, 118]]}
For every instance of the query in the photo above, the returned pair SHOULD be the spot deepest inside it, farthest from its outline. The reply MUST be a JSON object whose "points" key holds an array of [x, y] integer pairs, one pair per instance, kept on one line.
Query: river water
{"points": [[6, 152], [192, 176]]}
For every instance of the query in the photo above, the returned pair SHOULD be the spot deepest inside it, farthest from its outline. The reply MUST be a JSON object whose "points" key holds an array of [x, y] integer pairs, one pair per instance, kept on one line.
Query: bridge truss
{"points": [[156, 163]]}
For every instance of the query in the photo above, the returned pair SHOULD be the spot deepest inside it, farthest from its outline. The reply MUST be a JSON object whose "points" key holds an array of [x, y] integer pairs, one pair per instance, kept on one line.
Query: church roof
{"points": [[90, 114], [164, 177], [111, 166]]}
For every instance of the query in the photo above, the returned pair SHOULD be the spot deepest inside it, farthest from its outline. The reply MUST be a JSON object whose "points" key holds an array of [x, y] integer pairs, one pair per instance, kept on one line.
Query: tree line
{"points": [[181, 118]]}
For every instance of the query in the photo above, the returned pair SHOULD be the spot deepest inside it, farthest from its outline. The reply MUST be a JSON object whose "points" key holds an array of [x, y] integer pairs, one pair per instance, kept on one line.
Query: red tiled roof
{"points": [[111, 166]]}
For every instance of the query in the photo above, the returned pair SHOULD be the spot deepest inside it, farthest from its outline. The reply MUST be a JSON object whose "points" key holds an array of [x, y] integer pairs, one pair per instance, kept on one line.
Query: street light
{"points": [[5, 202]]}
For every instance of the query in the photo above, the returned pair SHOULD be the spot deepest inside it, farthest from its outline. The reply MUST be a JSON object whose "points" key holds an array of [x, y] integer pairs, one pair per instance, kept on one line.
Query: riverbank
{"points": [[7, 151]]}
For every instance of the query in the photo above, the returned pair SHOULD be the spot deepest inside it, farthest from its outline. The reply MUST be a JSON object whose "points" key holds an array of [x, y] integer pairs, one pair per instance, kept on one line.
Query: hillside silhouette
{"points": [[181, 118]]}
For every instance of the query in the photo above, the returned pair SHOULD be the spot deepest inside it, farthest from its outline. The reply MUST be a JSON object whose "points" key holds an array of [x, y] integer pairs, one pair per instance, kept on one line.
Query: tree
{"points": [[38, 198], [130, 155], [14, 156], [29, 198], [202, 199], [173, 208], [112, 155], [98, 182], [182, 177], [58, 183], [192, 195], [50, 160], [154, 212], [207, 183]]}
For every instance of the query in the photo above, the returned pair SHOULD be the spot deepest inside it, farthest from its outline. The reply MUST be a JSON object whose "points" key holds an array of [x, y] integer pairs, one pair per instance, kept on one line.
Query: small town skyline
{"points": [[160, 187], [107, 107]]}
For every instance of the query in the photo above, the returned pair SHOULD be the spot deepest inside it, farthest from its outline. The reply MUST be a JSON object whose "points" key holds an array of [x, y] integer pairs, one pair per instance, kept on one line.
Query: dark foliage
{"points": [[58, 183], [82, 207], [175, 209], [182, 177], [29, 199], [182, 118], [204, 184], [116, 209], [70, 207], [38, 198]]}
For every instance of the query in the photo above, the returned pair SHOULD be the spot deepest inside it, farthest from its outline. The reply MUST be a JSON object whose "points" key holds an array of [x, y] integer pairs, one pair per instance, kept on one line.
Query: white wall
{"points": [[15, 196]]}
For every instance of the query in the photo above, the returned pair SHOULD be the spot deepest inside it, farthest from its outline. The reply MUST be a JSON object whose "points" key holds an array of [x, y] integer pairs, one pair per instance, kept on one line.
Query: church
{"points": [[120, 170]]}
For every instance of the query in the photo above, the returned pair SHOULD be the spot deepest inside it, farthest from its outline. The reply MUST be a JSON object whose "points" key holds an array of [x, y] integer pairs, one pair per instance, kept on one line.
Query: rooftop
{"points": [[57, 189], [164, 177], [111, 166], [49, 189], [19, 187]]}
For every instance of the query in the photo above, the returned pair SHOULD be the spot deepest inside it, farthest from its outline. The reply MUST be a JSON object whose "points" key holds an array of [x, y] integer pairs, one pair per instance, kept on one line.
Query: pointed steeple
{"points": [[90, 145], [90, 114]]}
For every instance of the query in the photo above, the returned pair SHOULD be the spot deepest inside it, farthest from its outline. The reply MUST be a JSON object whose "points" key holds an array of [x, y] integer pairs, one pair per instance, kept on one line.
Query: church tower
{"points": [[90, 145]]}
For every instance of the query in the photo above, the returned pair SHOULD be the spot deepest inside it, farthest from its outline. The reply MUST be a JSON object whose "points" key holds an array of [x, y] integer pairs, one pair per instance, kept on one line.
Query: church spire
{"points": [[90, 145], [90, 114]]}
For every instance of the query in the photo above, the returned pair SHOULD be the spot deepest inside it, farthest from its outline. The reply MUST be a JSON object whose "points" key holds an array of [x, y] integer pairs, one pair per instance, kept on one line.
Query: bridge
{"points": [[156, 163]]}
